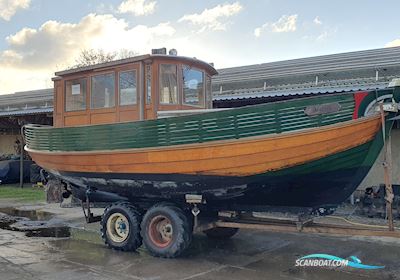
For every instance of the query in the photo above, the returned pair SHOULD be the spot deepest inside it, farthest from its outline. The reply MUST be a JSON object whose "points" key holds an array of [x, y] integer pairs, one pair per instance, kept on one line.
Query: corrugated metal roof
{"points": [[26, 97], [27, 102], [370, 59], [23, 112], [301, 89], [363, 70]]}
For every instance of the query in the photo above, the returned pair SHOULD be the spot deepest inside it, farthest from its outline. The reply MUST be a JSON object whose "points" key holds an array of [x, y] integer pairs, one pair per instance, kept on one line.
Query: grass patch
{"points": [[26, 194]]}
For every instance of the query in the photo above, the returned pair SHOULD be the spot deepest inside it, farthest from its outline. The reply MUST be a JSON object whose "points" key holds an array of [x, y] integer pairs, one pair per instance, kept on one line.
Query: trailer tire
{"points": [[221, 232], [120, 227], [166, 231]]}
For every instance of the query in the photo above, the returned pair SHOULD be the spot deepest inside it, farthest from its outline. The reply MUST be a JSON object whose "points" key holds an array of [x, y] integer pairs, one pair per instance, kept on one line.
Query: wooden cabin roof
{"points": [[189, 60]]}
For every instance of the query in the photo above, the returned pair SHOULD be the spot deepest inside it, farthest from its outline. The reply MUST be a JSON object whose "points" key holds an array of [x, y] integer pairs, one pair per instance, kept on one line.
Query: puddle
{"points": [[42, 228], [33, 215], [35, 223], [6, 221], [90, 236]]}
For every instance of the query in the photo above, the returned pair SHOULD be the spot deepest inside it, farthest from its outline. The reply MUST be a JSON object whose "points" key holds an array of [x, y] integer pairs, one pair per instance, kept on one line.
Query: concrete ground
{"points": [[248, 255]]}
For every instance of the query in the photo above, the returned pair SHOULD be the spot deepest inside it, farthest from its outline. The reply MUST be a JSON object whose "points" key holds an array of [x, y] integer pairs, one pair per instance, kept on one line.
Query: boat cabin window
{"points": [[148, 84], [103, 91], [168, 84], [75, 95], [193, 86], [127, 88]]}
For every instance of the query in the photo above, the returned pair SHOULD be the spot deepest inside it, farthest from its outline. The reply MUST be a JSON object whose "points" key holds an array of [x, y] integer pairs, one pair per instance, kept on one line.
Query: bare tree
{"points": [[125, 53], [92, 56]]}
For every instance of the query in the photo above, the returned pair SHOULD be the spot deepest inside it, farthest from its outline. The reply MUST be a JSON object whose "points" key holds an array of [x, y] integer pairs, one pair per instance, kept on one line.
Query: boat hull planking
{"points": [[327, 181]]}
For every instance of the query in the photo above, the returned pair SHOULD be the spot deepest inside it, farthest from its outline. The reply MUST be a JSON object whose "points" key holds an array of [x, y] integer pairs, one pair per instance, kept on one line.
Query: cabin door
{"points": [[128, 94]]}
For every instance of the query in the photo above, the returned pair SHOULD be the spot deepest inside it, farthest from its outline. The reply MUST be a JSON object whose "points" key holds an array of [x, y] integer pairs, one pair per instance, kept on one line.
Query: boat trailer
{"points": [[126, 226]]}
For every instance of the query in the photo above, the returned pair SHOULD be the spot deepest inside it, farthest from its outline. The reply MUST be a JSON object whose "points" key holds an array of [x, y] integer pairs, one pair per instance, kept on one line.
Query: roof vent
{"points": [[173, 52], [159, 51]]}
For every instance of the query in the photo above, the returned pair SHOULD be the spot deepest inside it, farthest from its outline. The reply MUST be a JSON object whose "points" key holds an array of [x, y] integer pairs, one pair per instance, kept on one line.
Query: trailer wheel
{"points": [[120, 227], [221, 232], [166, 231]]}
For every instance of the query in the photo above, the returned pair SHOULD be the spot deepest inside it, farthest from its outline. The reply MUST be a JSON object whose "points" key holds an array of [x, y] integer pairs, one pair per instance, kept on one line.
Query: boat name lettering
{"points": [[322, 109]]}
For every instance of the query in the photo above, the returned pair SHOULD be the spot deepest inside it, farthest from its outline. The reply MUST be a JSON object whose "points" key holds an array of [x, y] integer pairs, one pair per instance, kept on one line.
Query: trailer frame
{"points": [[307, 225]]}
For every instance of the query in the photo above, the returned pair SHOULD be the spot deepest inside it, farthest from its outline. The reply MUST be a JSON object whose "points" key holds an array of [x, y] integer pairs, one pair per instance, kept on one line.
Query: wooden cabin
{"points": [[131, 89]]}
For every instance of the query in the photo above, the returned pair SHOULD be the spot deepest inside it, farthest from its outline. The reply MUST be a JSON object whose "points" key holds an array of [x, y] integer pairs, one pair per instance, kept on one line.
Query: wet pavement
{"points": [[248, 255], [29, 213], [33, 222]]}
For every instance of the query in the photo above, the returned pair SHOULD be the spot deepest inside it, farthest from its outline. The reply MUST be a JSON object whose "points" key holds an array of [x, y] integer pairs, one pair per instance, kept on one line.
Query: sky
{"points": [[39, 37]]}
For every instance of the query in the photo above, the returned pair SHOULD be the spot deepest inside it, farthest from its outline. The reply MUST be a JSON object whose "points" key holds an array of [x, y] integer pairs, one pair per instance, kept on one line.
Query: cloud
{"points": [[8, 8], [55, 42], [55, 45], [214, 18], [317, 20], [137, 7], [323, 36], [257, 31], [284, 24], [104, 8], [13, 80], [394, 43]]}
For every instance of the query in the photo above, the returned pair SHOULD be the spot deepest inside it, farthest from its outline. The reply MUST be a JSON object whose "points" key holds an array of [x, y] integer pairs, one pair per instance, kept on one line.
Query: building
{"points": [[345, 72], [20, 108]]}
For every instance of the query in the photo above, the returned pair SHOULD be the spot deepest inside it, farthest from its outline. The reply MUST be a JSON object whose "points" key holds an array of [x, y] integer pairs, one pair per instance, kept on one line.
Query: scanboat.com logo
{"points": [[324, 260]]}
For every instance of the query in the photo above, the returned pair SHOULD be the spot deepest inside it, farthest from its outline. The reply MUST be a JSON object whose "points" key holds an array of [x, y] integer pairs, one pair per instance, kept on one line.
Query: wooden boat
{"points": [[112, 141]]}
